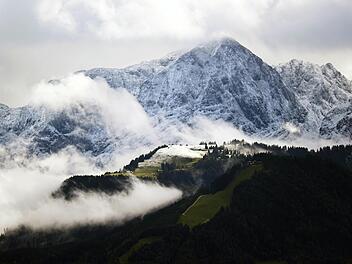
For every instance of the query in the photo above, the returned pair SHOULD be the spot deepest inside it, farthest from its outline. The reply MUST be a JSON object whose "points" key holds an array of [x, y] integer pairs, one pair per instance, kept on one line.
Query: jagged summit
{"points": [[320, 89], [212, 46], [209, 48], [223, 79], [3, 106], [219, 79], [135, 75], [327, 69], [221, 46]]}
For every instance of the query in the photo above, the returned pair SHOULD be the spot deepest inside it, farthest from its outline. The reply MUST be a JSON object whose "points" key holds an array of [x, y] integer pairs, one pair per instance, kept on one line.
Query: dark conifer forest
{"points": [[296, 208]]}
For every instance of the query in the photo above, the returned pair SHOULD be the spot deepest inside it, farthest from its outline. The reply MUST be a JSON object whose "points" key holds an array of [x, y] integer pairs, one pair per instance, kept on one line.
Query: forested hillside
{"points": [[284, 205]]}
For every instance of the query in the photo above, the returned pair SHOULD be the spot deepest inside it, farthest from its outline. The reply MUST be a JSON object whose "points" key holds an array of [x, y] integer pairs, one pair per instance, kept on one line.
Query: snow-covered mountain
{"points": [[224, 80], [50, 131], [337, 123], [324, 93], [42, 130], [219, 80]]}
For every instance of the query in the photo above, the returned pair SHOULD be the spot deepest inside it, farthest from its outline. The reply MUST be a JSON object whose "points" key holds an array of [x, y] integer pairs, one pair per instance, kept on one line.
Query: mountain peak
{"points": [[330, 68], [222, 41], [213, 45], [3, 106], [296, 63], [329, 65], [327, 68]]}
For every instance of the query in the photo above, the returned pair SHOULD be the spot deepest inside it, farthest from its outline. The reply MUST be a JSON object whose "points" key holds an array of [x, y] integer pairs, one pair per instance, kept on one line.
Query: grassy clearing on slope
{"points": [[125, 174], [181, 163], [147, 171], [151, 171], [144, 241], [206, 206]]}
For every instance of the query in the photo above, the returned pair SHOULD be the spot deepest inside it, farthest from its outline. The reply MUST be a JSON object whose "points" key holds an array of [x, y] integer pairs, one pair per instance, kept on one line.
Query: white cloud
{"points": [[203, 129], [119, 109], [194, 19], [123, 19], [90, 208], [26, 181], [291, 128], [26, 184], [56, 12]]}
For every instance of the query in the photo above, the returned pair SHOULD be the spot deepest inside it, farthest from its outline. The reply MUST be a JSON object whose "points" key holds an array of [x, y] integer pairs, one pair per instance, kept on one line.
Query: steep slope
{"points": [[338, 123], [323, 91], [41, 130], [271, 216], [51, 130], [133, 76], [76, 111], [220, 79]]}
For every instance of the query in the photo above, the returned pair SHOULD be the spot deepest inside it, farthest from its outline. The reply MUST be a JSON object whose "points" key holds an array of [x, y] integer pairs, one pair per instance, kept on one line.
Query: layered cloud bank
{"points": [[37, 210], [27, 181], [118, 108]]}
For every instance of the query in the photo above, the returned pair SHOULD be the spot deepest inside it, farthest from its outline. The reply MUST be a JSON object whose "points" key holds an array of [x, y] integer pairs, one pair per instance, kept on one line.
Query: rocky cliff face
{"points": [[220, 80], [324, 93], [48, 131]]}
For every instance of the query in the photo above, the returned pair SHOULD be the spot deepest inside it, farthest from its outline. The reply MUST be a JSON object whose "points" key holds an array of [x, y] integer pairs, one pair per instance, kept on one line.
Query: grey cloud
{"points": [[38, 43], [313, 25]]}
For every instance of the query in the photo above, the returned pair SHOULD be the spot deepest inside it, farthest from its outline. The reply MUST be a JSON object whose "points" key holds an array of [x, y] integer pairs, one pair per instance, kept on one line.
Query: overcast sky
{"points": [[44, 39]]}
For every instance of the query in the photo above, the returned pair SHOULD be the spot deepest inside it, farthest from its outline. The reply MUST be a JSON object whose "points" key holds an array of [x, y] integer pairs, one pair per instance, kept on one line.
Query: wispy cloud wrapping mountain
{"points": [[27, 181]]}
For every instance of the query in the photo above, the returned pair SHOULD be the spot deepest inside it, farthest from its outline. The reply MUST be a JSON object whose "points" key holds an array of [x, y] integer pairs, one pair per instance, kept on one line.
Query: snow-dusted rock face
{"points": [[324, 93], [220, 79], [48, 131], [131, 77], [338, 123], [39, 130]]}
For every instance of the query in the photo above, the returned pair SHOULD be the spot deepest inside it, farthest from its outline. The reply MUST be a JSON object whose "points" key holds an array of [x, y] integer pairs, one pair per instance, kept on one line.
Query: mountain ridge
{"points": [[218, 69], [220, 79], [331, 89], [321, 88]]}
